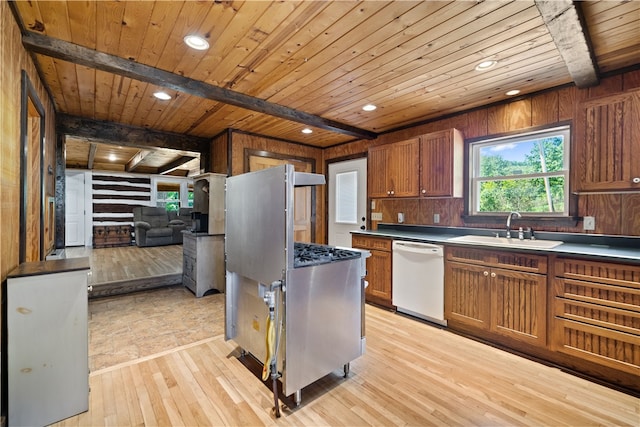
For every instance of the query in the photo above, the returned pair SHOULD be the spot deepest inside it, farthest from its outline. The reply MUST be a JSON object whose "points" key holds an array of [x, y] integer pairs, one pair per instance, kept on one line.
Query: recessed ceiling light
{"points": [[512, 92], [369, 107], [485, 65], [307, 130], [112, 157], [196, 42], [162, 95]]}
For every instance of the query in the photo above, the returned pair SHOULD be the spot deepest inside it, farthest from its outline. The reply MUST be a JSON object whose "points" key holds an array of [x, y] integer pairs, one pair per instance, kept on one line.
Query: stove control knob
{"points": [[362, 227]]}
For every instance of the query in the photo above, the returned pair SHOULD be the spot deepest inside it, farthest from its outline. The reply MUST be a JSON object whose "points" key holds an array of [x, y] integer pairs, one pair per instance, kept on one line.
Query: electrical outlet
{"points": [[373, 204], [376, 216], [589, 223], [436, 218]]}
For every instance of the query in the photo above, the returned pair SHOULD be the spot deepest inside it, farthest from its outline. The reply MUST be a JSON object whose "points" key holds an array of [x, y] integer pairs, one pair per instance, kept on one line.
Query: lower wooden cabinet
{"points": [[504, 300], [378, 268], [597, 312]]}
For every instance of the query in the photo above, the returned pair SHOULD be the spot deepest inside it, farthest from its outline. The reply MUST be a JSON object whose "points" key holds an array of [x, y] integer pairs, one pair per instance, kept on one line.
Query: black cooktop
{"points": [[308, 254]]}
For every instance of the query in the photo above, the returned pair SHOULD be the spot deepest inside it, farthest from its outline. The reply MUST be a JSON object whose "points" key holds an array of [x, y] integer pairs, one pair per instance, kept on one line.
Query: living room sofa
{"points": [[153, 227]]}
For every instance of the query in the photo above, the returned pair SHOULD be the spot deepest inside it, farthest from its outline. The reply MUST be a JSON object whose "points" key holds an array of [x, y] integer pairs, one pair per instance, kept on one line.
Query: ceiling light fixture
{"points": [[307, 130], [512, 92], [196, 42], [369, 107], [162, 95], [485, 65]]}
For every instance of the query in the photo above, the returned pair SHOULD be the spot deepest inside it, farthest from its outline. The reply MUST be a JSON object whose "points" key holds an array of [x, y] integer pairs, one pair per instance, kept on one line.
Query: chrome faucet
{"points": [[511, 214]]}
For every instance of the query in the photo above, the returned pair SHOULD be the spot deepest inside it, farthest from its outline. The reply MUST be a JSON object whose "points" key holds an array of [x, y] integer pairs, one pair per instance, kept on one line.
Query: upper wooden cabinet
{"points": [[393, 169], [428, 166], [441, 164], [607, 148]]}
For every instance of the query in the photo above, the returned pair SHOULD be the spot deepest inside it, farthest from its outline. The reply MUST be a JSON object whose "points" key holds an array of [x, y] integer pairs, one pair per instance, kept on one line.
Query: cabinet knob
{"points": [[424, 191], [636, 180], [90, 288], [388, 193], [392, 192], [493, 274], [486, 273]]}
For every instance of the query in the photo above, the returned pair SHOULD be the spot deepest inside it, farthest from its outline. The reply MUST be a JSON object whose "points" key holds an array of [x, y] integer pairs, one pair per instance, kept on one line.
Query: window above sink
{"points": [[527, 172]]}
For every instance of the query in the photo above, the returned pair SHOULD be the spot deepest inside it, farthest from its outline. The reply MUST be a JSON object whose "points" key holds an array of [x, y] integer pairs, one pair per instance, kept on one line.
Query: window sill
{"points": [[529, 221]]}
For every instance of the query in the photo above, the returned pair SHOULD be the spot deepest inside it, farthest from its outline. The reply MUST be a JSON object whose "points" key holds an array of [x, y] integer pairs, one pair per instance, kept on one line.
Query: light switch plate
{"points": [[436, 218], [589, 223]]}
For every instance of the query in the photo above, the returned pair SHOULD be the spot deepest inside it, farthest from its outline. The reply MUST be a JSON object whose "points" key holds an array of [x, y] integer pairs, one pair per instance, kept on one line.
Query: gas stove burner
{"points": [[307, 254]]}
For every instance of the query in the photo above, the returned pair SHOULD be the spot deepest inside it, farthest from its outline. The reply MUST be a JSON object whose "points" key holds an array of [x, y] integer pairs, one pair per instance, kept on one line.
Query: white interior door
{"points": [[74, 210], [347, 200]]}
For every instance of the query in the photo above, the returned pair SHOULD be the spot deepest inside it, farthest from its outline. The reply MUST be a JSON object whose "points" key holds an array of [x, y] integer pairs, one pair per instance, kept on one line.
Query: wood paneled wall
{"points": [[14, 58], [617, 214]]}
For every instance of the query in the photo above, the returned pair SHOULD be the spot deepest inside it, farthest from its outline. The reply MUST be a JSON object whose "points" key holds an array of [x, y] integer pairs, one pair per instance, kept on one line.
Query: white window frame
{"points": [[474, 168]]}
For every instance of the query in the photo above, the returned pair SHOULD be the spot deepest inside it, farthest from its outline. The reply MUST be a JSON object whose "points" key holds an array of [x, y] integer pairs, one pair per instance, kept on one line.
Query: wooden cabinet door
{"points": [[377, 172], [467, 294], [518, 305], [379, 278], [441, 164], [403, 168], [393, 169], [607, 143]]}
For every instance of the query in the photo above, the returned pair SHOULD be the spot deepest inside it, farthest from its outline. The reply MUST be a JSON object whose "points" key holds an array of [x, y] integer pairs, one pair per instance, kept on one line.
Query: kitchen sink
{"points": [[505, 243]]}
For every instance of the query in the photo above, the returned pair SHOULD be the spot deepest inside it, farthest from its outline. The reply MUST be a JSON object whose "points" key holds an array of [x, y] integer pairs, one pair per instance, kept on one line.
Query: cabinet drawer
{"points": [[610, 315], [523, 262], [627, 276], [375, 243], [602, 294], [615, 349]]}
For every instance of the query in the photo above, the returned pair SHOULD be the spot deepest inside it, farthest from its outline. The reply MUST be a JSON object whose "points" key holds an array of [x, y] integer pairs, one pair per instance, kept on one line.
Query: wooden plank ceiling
{"points": [[415, 60]]}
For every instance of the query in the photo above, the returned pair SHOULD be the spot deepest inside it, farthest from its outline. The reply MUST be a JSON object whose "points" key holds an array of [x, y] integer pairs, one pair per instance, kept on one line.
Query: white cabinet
{"points": [[203, 262], [47, 351]]}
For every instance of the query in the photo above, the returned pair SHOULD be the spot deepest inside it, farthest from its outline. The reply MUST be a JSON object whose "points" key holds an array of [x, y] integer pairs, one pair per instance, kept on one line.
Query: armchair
{"points": [[153, 228]]}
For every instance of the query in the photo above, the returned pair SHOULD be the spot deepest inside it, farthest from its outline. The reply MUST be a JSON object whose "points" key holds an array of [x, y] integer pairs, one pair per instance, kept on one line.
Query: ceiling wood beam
{"points": [[136, 160], [174, 164], [113, 64], [92, 155], [127, 135], [565, 23]]}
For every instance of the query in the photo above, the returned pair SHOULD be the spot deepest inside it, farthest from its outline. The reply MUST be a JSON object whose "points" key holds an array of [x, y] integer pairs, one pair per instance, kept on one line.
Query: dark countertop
{"points": [[50, 267], [614, 248]]}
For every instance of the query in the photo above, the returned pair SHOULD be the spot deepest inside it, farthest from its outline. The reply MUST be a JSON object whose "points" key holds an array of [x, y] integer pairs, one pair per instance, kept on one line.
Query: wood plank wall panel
{"points": [[115, 196], [242, 141], [14, 58], [615, 213], [630, 214], [220, 154], [509, 117], [631, 80], [544, 108]]}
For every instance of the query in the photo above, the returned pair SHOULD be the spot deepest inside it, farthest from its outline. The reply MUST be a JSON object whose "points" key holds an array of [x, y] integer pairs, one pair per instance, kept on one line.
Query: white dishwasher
{"points": [[418, 280]]}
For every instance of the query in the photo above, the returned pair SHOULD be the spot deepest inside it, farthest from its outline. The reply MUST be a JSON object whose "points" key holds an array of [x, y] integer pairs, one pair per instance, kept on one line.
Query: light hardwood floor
{"points": [[412, 374]]}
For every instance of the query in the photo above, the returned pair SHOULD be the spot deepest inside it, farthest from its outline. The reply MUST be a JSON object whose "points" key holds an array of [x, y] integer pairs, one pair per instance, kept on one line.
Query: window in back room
{"points": [[528, 173]]}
